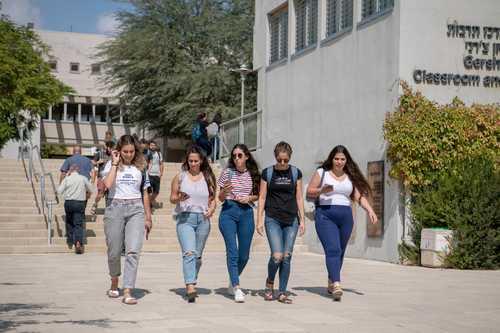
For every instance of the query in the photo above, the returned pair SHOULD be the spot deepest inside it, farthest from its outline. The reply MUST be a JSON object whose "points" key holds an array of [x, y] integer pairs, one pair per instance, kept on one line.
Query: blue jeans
{"points": [[334, 226], [75, 219], [281, 238], [237, 226], [192, 232]]}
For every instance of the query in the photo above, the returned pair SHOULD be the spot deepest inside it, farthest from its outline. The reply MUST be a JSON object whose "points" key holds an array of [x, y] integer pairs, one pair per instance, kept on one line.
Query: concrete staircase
{"points": [[24, 230]]}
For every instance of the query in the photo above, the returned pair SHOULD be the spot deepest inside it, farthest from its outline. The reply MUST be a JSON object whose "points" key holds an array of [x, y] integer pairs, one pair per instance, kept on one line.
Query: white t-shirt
{"points": [[341, 194], [156, 161], [128, 182]]}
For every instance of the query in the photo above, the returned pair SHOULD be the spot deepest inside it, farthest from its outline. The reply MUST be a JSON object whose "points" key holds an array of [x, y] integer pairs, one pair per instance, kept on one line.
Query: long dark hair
{"points": [[205, 168], [251, 165], [351, 169], [138, 161]]}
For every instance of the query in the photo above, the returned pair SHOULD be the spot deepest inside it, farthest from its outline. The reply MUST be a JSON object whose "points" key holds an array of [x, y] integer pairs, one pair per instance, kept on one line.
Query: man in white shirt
{"points": [[75, 189], [155, 171]]}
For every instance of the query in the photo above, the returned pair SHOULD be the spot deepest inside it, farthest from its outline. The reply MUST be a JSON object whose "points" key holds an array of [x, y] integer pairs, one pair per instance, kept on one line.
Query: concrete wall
{"points": [[425, 45], [339, 91], [336, 93]]}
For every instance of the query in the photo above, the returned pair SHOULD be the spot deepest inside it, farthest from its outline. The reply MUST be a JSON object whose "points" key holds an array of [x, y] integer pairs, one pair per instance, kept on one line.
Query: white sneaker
{"points": [[239, 296], [230, 289]]}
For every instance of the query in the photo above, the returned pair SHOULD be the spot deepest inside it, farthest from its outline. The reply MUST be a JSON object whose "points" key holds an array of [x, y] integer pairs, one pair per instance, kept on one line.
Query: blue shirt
{"points": [[84, 164]]}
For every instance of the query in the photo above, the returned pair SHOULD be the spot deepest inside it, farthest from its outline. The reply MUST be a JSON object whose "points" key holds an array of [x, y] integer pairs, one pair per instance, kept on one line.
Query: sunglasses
{"points": [[282, 160], [238, 156]]}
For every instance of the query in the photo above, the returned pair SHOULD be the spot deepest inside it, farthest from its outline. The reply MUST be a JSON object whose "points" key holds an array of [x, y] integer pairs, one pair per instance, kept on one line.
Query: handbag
{"points": [[315, 200]]}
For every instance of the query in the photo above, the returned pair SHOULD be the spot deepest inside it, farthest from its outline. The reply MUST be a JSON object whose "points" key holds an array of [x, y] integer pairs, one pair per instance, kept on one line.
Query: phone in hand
{"points": [[183, 195], [327, 189]]}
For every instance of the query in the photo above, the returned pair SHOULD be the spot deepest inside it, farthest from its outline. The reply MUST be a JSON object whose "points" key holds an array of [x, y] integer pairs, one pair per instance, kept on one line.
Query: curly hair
{"points": [[205, 168], [351, 169], [251, 166], [138, 161]]}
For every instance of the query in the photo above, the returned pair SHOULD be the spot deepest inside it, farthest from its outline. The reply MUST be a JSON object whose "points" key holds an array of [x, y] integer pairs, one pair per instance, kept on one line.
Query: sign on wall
{"points": [[376, 181], [481, 53]]}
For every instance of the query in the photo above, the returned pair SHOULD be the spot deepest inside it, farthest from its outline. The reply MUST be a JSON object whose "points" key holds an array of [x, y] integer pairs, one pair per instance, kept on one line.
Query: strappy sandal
{"points": [[330, 287], [269, 291], [191, 297], [129, 300], [283, 298], [113, 293]]}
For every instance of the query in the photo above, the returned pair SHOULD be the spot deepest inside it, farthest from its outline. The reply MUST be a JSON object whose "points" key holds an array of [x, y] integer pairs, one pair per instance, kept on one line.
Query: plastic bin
{"points": [[434, 246]]}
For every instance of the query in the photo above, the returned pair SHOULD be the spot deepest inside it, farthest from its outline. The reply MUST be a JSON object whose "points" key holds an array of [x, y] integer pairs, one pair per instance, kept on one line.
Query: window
{"points": [[100, 113], [114, 114], [72, 112], [371, 7], [278, 27], [306, 25], [95, 69], [87, 112], [74, 67], [338, 16], [58, 111], [53, 65]]}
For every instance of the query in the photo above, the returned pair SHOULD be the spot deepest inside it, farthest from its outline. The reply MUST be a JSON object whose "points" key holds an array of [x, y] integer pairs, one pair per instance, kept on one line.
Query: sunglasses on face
{"points": [[282, 160], [237, 156]]}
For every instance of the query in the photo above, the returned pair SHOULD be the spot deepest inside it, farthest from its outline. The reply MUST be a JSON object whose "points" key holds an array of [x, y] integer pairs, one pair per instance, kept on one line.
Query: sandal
{"points": [[283, 298], [113, 293], [269, 292], [129, 300], [330, 287]]}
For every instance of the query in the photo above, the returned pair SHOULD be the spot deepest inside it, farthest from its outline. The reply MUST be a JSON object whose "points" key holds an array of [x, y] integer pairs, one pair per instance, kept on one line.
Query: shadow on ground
{"points": [[323, 292], [182, 291], [16, 315]]}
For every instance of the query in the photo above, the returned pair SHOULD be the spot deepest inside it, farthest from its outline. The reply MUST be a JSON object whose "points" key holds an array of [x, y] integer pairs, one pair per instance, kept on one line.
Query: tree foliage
{"points": [[172, 58], [27, 88], [426, 138]]}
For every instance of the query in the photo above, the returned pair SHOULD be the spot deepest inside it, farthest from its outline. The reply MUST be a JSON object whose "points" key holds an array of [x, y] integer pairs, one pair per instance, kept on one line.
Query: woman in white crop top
{"points": [[336, 184], [193, 192]]}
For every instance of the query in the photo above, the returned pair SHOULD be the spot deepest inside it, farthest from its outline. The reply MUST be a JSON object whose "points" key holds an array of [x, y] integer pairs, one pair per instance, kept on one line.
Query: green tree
{"points": [[27, 88], [172, 58]]}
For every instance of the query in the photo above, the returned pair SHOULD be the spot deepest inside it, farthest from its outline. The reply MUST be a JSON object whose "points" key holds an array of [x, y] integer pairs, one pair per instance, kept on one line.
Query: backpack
{"points": [[196, 132], [295, 174], [212, 130]]}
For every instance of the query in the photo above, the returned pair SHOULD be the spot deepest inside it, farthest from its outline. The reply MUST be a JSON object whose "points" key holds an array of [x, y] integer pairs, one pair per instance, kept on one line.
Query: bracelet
{"points": [[114, 164]]}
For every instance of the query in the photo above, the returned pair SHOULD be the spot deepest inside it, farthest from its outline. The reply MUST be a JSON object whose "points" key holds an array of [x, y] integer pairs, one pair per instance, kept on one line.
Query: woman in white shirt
{"points": [[193, 190], [336, 184], [128, 215]]}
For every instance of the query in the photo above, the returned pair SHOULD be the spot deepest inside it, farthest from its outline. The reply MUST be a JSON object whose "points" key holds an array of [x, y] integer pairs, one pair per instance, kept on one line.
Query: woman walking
{"points": [[336, 184], [281, 197], [193, 190], [239, 188], [127, 216]]}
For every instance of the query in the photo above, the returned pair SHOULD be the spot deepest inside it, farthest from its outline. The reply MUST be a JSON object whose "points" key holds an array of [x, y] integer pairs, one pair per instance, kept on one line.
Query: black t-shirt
{"points": [[281, 203]]}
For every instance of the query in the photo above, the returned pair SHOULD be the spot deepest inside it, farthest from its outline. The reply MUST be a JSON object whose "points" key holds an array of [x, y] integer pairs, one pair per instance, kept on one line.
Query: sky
{"points": [[88, 16]]}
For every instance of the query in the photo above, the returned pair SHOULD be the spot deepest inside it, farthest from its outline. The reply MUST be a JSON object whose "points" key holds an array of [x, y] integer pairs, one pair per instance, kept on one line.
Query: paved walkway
{"points": [[65, 293]]}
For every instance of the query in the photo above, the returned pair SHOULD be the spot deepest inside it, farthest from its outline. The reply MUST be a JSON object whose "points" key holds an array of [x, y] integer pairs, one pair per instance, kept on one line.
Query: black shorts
{"points": [[155, 184]]}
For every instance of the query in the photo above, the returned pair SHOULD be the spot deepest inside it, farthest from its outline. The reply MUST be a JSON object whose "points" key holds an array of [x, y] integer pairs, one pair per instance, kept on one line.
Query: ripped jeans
{"points": [[192, 232], [281, 239]]}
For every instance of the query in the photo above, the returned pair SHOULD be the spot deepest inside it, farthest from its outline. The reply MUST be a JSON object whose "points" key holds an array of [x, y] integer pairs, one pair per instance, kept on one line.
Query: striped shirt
{"points": [[240, 181]]}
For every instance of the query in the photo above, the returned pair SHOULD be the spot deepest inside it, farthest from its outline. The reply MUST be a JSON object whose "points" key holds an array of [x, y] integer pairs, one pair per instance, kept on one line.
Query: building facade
{"points": [[329, 71]]}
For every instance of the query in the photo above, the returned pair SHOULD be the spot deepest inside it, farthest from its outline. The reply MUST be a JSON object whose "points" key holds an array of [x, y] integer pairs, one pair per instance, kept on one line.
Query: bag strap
{"points": [[269, 175], [295, 175]]}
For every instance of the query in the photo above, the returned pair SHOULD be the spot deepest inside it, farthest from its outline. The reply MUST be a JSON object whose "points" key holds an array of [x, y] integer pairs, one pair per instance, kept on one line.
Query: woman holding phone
{"points": [[337, 183], [128, 215], [239, 188], [281, 197], [193, 191]]}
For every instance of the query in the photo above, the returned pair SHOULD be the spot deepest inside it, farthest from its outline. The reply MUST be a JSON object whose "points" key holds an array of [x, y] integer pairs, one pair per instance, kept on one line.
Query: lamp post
{"points": [[244, 71]]}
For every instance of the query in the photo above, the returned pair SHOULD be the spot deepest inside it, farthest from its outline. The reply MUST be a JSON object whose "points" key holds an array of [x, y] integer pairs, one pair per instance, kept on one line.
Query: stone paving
{"points": [[65, 293]]}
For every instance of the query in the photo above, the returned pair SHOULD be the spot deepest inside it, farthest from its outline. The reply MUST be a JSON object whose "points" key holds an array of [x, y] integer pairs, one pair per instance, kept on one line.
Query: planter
{"points": [[434, 246]]}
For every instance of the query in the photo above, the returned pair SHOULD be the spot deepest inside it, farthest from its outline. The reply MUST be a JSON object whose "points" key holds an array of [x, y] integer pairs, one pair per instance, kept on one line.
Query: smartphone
{"points": [[327, 188], [183, 195]]}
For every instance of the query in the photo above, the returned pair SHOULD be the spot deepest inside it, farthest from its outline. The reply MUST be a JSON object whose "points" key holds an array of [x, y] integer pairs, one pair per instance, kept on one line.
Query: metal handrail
{"points": [[40, 176]]}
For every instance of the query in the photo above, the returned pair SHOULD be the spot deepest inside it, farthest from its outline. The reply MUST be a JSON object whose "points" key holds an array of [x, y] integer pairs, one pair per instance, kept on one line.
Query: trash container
{"points": [[434, 246]]}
